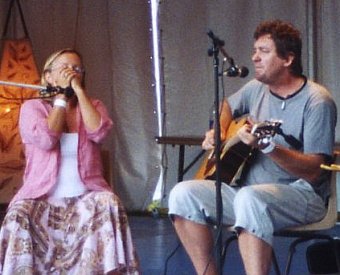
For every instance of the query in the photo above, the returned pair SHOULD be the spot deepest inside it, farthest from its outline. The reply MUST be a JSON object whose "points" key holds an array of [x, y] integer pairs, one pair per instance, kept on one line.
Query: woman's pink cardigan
{"points": [[42, 150]]}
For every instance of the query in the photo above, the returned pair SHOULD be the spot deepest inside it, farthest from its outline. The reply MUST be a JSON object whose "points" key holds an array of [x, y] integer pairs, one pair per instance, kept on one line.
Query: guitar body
{"points": [[232, 163], [234, 155]]}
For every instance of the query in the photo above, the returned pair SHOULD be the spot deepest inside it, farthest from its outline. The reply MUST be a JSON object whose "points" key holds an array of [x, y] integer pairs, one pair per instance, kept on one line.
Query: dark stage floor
{"points": [[155, 239]]}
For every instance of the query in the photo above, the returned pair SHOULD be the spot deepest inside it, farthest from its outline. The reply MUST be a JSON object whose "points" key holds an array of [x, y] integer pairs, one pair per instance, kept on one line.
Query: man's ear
{"points": [[289, 59]]}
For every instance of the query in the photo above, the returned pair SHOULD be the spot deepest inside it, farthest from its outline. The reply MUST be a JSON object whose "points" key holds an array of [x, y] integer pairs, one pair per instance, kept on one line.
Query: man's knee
{"points": [[182, 193], [245, 196], [250, 201]]}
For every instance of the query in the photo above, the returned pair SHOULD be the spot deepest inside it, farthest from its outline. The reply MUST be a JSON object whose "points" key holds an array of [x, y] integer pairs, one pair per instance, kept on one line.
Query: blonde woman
{"points": [[65, 218]]}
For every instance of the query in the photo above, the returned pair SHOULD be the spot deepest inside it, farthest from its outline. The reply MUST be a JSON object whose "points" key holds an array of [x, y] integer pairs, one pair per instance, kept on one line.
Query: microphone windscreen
{"points": [[244, 71]]}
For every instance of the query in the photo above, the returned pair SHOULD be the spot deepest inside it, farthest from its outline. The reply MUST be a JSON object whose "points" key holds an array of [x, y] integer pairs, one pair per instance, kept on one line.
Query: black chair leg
{"points": [[292, 251], [233, 238], [275, 264], [292, 248], [336, 253], [226, 245]]}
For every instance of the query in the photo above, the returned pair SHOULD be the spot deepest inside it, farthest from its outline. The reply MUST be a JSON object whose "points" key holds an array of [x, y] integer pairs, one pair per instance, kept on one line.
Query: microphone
{"points": [[50, 91], [234, 71], [47, 91]]}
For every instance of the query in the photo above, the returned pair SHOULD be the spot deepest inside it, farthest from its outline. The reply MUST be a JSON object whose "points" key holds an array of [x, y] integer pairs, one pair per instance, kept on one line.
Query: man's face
{"points": [[268, 65]]}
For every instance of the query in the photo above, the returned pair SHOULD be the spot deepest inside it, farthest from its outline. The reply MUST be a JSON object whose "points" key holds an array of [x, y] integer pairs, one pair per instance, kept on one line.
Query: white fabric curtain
{"points": [[328, 37], [188, 70], [114, 38]]}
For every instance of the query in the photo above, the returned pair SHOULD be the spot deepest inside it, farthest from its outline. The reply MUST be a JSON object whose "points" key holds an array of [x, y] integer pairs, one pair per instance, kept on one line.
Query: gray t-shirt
{"points": [[309, 115]]}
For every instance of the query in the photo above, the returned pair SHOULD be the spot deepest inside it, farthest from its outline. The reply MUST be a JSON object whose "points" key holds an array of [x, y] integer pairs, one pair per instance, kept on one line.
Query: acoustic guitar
{"points": [[234, 153]]}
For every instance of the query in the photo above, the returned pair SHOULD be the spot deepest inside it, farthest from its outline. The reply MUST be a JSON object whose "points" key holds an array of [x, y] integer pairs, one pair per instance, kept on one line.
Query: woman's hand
{"points": [[70, 77], [66, 75]]}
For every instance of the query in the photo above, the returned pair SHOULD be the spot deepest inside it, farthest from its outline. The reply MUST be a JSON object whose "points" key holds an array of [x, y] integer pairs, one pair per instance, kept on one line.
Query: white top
{"points": [[69, 183]]}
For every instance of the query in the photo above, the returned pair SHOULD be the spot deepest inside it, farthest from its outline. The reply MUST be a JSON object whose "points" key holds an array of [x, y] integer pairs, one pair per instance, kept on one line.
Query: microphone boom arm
{"points": [[233, 70], [29, 86], [47, 91], [220, 43]]}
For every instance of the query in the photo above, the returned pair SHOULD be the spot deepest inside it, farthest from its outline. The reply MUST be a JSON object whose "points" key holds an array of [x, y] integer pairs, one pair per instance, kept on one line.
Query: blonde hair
{"points": [[50, 60]]}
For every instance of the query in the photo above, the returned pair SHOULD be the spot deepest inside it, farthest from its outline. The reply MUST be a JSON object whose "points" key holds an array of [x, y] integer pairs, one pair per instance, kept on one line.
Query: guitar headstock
{"points": [[266, 129]]}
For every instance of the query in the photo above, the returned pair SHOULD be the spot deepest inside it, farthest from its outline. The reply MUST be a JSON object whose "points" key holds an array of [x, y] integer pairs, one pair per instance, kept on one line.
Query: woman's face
{"points": [[63, 68]]}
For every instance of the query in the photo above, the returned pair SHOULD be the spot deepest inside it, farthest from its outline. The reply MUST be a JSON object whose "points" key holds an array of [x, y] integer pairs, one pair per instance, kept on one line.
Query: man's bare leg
{"points": [[197, 240], [256, 254]]}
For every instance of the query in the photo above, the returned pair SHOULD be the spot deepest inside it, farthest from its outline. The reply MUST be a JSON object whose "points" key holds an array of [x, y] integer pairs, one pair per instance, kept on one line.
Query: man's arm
{"points": [[306, 166]]}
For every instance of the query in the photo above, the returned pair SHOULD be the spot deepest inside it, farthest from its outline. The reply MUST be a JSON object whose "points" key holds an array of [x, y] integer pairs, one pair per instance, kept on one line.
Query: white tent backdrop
{"points": [[114, 38], [188, 70]]}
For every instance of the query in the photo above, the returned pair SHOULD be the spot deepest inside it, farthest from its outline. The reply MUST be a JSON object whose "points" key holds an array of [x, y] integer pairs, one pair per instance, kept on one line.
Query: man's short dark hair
{"points": [[287, 40]]}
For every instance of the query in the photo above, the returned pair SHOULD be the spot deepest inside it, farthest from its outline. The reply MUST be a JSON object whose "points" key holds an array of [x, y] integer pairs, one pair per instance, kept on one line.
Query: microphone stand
{"points": [[47, 91], [217, 44], [214, 51]]}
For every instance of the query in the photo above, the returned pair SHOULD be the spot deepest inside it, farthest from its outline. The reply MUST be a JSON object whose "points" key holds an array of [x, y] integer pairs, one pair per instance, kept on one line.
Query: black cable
{"points": [[169, 257]]}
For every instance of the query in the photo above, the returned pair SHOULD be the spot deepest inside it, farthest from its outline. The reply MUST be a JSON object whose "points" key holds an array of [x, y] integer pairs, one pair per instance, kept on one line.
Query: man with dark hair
{"points": [[283, 186], [286, 39]]}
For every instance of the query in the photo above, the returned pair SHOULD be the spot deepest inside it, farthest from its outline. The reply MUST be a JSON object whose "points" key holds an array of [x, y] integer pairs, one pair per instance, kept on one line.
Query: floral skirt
{"points": [[88, 234]]}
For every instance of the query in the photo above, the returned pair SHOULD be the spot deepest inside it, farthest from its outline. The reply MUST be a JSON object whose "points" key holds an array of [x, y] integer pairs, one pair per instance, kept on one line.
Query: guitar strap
{"points": [[290, 139]]}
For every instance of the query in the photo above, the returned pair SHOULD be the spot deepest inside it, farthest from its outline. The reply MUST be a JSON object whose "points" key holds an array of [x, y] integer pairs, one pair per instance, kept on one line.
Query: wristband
{"points": [[60, 102], [269, 148]]}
